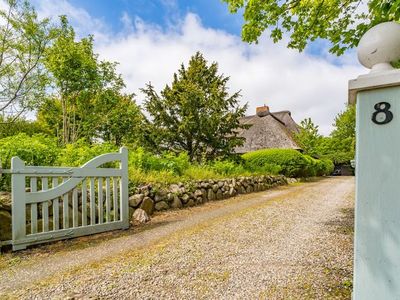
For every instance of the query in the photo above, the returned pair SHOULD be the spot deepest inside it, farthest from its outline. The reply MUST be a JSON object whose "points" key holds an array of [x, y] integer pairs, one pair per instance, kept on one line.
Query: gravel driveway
{"points": [[288, 243]]}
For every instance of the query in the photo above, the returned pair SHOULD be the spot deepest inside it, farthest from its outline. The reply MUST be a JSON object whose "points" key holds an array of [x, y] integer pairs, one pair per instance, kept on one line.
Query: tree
{"points": [[340, 146], [74, 71], [338, 21], [195, 114], [10, 126], [23, 40], [80, 81], [119, 119], [309, 138]]}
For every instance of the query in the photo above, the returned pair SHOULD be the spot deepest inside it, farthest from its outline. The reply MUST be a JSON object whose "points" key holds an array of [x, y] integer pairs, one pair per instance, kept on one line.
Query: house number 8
{"points": [[382, 114]]}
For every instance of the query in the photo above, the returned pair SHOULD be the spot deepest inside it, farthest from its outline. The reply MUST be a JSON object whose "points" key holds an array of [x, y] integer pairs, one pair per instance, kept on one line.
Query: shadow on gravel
{"points": [[345, 224]]}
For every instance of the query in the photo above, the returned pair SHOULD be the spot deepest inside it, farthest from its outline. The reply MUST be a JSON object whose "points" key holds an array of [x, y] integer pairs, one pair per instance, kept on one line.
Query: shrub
{"points": [[288, 162], [291, 162], [145, 161], [36, 150], [226, 167], [78, 153]]}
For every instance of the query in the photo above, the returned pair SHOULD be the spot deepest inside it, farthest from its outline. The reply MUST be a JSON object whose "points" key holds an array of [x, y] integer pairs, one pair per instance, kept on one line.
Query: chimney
{"points": [[262, 111]]}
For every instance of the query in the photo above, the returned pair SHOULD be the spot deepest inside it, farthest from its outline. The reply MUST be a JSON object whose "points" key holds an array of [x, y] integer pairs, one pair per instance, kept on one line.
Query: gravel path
{"points": [[288, 243]]}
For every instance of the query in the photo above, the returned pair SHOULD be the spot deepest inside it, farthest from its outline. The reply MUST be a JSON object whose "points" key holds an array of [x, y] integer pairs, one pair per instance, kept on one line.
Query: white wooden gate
{"points": [[54, 203]]}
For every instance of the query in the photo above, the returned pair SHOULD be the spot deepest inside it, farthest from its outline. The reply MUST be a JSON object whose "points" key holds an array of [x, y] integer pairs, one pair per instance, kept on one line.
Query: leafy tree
{"points": [[73, 67], [195, 114], [23, 40], [308, 138], [82, 85], [11, 125], [120, 120], [340, 146], [49, 117], [307, 20]]}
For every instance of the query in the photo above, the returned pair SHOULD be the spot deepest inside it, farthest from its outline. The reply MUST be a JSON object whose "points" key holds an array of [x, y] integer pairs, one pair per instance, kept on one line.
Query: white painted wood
{"points": [[115, 198], [84, 203], [92, 202], [100, 199], [108, 201], [124, 182], [56, 207], [18, 203], [45, 206], [72, 179], [34, 210], [65, 208], [75, 213], [72, 173]]}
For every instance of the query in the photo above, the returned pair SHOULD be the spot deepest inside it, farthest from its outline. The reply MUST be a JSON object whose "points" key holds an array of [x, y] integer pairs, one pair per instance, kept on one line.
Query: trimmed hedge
{"points": [[291, 162]]}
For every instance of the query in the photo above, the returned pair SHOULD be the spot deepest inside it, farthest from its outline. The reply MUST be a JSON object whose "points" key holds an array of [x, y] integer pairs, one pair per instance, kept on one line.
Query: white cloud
{"points": [[81, 20], [266, 73]]}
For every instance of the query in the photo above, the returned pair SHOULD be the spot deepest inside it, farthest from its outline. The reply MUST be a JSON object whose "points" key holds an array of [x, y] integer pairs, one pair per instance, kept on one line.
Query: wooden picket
{"points": [[48, 210]]}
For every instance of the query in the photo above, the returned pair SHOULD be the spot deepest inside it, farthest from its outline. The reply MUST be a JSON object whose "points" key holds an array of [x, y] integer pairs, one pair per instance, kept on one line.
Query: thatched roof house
{"points": [[268, 130]]}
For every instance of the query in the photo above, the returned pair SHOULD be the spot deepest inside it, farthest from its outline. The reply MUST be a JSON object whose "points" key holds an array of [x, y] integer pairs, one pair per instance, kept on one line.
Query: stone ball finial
{"points": [[380, 46]]}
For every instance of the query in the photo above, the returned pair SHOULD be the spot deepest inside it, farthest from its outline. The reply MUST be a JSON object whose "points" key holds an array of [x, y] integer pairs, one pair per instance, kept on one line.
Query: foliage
{"points": [[340, 146], [195, 114], [340, 22], [78, 153], [23, 40], [34, 150], [145, 161], [88, 91], [308, 138], [119, 118], [37, 150], [10, 126], [291, 162]]}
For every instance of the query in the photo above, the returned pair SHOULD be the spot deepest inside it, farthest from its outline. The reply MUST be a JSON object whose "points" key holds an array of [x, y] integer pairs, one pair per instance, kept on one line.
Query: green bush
{"points": [[145, 161], [288, 162], [227, 168], [291, 162], [36, 150], [78, 153]]}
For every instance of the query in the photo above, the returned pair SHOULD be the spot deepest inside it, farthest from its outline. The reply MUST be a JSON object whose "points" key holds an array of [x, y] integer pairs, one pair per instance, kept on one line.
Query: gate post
{"points": [[124, 189], [377, 211], [18, 202]]}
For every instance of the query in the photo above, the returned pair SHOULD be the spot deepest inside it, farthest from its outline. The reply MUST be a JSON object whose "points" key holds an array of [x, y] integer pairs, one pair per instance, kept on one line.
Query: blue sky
{"points": [[151, 38], [213, 13]]}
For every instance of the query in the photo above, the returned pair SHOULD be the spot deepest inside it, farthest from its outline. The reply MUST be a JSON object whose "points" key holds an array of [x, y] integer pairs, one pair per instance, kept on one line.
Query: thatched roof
{"points": [[268, 130]]}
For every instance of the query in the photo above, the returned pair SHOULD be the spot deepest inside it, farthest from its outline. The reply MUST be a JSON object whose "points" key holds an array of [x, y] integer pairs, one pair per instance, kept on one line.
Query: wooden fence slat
{"points": [[92, 202], [45, 206], [108, 219], [65, 209], [34, 210], [18, 204], [84, 202], [56, 206], [100, 199], [75, 208], [115, 198]]}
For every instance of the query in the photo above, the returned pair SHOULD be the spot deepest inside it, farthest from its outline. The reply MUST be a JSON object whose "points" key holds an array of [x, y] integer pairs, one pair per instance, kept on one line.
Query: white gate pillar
{"points": [[377, 212]]}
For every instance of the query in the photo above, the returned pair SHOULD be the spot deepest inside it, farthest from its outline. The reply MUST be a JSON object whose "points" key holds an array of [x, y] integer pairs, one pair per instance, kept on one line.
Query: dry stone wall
{"points": [[151, 198]]}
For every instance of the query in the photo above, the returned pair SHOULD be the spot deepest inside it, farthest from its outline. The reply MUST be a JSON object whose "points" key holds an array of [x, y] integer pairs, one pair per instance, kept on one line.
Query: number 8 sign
{"points": [[382, 114]]}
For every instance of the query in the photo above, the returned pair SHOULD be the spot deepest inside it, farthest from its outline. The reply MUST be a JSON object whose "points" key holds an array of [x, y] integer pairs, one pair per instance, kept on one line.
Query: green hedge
{"points": [[36, 150], [291, 162]]}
